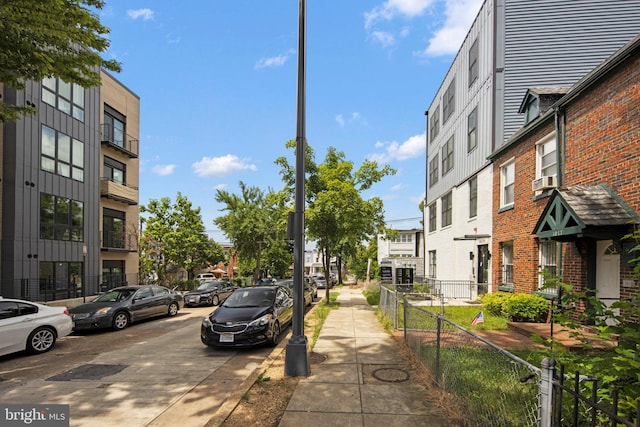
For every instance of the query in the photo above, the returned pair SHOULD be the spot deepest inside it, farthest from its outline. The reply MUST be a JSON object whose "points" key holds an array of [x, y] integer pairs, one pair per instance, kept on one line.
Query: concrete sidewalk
{"points": [[365, 379]]}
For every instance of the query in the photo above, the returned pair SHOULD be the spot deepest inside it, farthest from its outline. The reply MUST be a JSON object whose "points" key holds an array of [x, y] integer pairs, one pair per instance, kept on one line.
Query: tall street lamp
{"points": [[297, 357]]}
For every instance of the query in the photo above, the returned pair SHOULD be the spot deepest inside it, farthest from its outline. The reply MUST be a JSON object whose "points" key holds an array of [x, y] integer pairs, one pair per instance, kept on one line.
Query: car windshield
{"points": [[115, 295], [207, 286], [253, 297]]}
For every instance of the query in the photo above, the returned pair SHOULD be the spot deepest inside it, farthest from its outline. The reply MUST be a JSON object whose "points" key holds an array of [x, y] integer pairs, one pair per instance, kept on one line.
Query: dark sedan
{"points": [[209, 293], [307, 294], [249, 317], [119, 307]]}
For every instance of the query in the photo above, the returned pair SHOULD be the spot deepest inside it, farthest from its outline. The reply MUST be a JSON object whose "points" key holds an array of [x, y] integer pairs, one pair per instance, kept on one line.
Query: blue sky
{"points": [[217, 81]]}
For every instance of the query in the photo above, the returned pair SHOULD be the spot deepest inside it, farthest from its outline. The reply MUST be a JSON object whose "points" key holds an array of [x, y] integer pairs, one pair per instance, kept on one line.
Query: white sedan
{"points": [[26, 325]]}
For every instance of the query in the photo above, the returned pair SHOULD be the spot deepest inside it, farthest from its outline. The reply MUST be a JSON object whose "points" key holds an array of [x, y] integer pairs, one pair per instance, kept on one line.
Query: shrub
{"points": [[494, 303], [526, 308]]}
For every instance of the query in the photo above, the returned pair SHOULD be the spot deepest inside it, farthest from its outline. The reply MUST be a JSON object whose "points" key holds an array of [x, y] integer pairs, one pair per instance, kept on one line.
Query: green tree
{"points": [[337, 215], [174, 235], [50, 38], [359, 263], [255, 223]]}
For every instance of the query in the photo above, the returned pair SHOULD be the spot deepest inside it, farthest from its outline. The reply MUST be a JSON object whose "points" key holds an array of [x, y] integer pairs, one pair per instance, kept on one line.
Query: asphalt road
{"points": [[156, 372]]}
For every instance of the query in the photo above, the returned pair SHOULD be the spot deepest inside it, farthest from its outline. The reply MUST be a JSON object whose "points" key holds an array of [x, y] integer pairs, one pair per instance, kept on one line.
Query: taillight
{"points": [[67, 312]]}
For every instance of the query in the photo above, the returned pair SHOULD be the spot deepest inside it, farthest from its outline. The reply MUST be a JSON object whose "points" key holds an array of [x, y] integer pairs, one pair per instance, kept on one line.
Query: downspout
{"points": [[559, 123], [426, 188]]}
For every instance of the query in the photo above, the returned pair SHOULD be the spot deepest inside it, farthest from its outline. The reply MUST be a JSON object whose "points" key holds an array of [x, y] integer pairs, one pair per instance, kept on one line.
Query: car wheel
{"points": [[173, 309], [216, 300], [41, 340], [275, 334], [120, 321]]}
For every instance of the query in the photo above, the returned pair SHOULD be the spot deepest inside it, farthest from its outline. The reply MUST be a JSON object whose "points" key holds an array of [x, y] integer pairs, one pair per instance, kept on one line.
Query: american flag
{"points": [[478, 319]]}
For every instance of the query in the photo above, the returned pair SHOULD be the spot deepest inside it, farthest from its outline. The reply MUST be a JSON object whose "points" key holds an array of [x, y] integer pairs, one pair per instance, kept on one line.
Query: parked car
{"points": [[209, 293], [204, 277], [26, 325], [320, 281], [249, 317], [307, 294], [313, 285], [119, 307], [266, 281]]}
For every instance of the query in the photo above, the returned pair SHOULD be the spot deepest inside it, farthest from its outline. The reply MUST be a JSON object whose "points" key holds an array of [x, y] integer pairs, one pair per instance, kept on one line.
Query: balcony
{"points": [[119, 241], [119, 141], [119, 192]]}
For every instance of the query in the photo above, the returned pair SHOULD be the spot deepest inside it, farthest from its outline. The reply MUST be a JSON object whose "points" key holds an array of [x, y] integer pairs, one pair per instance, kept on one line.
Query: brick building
{"points": [[567, 185]]}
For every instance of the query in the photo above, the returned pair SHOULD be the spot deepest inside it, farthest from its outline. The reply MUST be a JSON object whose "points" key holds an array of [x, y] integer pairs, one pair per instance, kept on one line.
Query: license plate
{"points": [[192, 300], [226, 337]]}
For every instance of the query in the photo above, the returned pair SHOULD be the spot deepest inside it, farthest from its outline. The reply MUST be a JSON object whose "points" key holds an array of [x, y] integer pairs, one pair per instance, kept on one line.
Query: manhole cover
{"points": [[316, 357], [390, 375], [88, 372]]}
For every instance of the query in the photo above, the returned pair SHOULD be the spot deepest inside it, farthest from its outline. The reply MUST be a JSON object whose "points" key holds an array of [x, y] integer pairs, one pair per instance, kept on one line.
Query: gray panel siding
{"points": [[551, 42]]}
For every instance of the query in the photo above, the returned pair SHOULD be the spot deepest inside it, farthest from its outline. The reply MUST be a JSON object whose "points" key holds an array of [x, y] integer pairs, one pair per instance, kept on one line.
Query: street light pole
{"points": [[296, 357]]}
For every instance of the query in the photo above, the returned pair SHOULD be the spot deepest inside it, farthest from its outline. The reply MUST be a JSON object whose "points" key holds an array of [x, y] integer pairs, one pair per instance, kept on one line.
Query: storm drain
{"points": [[379, 374], [315, 358], [88, 372]]}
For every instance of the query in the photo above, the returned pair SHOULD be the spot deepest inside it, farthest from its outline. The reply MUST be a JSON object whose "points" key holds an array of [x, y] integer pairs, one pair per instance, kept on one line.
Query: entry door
{"points": [[608, 275], [483, 263]]}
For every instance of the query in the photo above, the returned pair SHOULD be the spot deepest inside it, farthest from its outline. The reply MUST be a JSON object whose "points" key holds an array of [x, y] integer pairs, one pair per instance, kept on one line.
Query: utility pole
{"points": [[297, 357]]}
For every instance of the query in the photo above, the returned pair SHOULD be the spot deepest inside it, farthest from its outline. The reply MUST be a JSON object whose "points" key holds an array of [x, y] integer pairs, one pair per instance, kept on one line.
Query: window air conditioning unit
{"points": [[544, 183]]}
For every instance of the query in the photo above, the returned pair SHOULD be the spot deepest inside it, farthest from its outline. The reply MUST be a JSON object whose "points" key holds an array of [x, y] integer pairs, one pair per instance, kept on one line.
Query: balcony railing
{"points": [[114, 240], [121, 142], [117, 191]]}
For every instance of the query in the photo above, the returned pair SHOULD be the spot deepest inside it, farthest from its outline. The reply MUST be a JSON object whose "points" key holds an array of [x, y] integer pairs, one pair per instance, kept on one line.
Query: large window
{"points": [[61, 218], [66, 97], [548, 266], [113, 274], [507, 182], [507, 264], [447, 156], [114, 127], [473, 197], [61, 154], [446, 209], [403, 238], [432, 264], [433, 214], [113, 233], [435, 123], [472, 130], [449, 101], [473, 62], [433, 170], [60, 280], [114, 170], [546, 157]]}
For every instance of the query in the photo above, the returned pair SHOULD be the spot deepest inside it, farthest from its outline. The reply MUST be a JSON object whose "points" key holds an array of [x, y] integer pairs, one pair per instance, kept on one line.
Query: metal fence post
{"points": [[438, 329], [404, 316], [546, 392]]}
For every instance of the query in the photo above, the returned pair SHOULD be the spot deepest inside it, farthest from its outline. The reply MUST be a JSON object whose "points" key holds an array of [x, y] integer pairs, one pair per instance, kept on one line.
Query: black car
{"points": [[119, 307], [209, 293], [308, 291], [249, 317]]}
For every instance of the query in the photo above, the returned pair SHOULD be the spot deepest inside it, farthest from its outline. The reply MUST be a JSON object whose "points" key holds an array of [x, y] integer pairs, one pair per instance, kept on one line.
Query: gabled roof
{"points": [[552, 92], [576, 210]]}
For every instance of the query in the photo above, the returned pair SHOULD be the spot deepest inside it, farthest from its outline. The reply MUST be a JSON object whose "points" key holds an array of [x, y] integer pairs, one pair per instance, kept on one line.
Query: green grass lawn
{"points": [[463, 316]]}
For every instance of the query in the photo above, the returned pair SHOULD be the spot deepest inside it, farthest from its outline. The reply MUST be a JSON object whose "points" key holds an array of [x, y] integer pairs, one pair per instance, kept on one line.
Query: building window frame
{"points": [[507, 183], [507, 263], [446, 207], [473, 62], [115, 171], [434, 123], [473, 197], [447, 155], [546, 156], [433, 264], [113, 228], [61, 154], [61, 218], [449, 101], [433, 215], [472, 130], [433, 170], [114, 127], [548, 266], [65, 97]]}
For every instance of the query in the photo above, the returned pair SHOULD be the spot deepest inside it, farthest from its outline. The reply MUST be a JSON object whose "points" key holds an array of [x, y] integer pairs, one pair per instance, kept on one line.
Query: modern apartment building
{"points": [[401, 258], [512, 46], [69, 199]]}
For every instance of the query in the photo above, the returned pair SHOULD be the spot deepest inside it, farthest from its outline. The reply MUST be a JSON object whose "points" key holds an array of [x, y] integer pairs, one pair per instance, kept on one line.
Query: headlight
{"points": [[261, 321], [103, 310], [205, 295], [206, 322]]}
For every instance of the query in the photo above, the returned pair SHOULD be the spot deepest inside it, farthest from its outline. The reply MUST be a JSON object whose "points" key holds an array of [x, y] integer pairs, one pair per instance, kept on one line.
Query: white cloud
{"points": [[384, 38], [398, 187], [409, 149], [221, 166], [459, 17], [145, 14], [392, 8], [163, 170], [353, 118], [221, 187], [274, 61]]}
